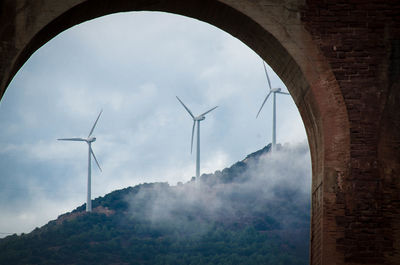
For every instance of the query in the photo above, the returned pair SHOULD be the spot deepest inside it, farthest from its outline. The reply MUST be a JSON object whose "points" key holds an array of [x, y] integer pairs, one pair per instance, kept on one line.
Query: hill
{"points": [[255, 212]]}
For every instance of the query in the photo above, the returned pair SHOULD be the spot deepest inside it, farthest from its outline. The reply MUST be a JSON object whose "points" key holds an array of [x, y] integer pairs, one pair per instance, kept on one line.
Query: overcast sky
{"points": [[131, 65]]}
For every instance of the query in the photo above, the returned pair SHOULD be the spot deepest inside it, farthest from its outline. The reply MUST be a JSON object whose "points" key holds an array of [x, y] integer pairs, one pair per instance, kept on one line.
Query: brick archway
{"points": [[347, 93]]}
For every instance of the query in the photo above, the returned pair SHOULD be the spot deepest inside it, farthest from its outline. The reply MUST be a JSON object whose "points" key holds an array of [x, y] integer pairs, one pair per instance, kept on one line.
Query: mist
{"points": [[275, 185]]}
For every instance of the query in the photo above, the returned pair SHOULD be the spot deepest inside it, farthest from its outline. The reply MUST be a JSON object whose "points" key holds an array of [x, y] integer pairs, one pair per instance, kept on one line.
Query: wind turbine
{"points": [[274, 91], [197, 119], [89, 140]]}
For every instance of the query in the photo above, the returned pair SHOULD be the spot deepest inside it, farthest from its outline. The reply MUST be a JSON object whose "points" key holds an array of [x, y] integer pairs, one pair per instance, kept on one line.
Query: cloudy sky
{"points": [[131, 65]]}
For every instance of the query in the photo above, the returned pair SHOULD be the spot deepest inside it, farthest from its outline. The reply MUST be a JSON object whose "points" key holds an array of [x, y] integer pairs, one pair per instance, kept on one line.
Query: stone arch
{"points": [[273, 29]]}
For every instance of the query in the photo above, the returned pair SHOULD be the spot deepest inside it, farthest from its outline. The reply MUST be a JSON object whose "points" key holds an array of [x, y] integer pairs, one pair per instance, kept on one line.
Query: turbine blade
{"points": [[95, 159], [266, 73], [265, 100], [188, 110], [209, 111], [284, 93], [94, 125], [72, 139], [191, 146]]}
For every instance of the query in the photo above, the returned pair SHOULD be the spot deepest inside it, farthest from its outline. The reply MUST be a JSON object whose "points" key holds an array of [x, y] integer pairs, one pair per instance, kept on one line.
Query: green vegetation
{"points": [[127, 227]]}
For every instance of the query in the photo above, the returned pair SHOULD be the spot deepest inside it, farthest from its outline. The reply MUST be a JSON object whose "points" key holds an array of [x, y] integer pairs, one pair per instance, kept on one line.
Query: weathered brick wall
{"points": [[360, 41], [316, 227]]}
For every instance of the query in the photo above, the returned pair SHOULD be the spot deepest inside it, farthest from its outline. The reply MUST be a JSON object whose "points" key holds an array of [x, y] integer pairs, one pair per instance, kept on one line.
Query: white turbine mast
{"points": [[197, 120], [274, 91], [89, 140]]}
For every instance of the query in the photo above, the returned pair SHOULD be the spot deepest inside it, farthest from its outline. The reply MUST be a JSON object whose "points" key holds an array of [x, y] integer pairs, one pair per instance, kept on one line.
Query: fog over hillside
{"points": [[255, 212], [262, 180]]}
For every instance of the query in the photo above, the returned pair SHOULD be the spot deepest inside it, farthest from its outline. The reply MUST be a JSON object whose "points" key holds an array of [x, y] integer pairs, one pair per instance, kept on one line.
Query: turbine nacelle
{"points": [[276, 90], [200, 118], [91, 139]]}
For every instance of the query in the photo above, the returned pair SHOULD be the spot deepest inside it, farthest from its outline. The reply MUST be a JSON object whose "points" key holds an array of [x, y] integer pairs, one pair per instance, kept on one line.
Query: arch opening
{"points": [[298, 63], [228, 18]]}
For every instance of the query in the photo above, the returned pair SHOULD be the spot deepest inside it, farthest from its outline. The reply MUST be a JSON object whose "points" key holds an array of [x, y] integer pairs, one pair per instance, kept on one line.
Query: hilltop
{"points": [[234, 216]]}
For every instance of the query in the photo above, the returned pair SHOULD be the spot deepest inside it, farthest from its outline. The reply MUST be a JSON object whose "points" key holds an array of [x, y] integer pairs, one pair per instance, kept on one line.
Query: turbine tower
{"points": [[197, 120], [89, 140], [274, 91]]}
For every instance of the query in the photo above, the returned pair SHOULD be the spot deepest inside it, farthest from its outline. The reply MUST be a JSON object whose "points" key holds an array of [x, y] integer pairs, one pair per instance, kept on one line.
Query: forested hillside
{"points": [[245, 214]]}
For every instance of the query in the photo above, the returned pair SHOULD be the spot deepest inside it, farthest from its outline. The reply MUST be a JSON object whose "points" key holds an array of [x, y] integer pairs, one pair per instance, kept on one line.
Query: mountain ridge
{"points": [[223, 218]]}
